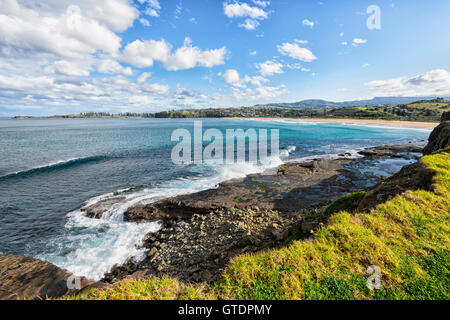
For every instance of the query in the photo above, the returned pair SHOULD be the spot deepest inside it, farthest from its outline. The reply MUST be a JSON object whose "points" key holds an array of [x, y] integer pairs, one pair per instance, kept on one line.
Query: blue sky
{"points": [[60, 57]]}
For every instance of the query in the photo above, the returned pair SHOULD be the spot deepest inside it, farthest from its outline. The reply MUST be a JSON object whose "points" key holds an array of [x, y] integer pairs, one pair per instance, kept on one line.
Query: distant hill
{"points": [[377, 101]]}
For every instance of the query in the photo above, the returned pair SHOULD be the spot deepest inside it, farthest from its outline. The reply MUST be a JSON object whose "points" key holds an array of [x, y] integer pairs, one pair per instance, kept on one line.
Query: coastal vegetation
{"points": [[423, 110], [406, 237]]}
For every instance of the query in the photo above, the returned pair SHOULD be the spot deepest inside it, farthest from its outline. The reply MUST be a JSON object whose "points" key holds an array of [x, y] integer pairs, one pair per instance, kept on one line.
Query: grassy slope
{"points": [[407, 237]]}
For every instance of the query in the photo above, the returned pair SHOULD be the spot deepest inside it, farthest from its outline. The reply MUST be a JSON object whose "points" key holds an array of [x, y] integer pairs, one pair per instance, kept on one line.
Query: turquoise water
{"points": [[50, 168]]}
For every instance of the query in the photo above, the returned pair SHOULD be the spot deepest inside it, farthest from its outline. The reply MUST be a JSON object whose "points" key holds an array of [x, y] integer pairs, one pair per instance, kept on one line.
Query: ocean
{"points": [[51, 168]]}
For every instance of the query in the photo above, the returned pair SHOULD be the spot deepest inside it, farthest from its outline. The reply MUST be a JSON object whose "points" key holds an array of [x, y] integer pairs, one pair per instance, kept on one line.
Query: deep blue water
{"points": [[50, 168]]}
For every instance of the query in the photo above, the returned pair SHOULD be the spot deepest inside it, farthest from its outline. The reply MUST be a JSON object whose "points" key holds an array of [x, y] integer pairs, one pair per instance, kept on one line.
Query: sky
{"points": [[65, 56]]}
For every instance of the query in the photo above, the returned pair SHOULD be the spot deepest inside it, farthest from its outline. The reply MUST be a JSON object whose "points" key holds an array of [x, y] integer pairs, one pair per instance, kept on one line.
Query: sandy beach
{"points": [[382, 122]]}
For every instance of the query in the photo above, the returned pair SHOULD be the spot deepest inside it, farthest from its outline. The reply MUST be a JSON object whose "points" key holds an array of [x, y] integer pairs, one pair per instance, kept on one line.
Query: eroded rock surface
{"points": [[202, 231], [27, 278]]}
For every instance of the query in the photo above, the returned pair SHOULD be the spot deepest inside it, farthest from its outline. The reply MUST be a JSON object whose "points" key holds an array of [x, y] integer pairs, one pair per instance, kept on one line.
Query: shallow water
{"points": [[50, 168]]}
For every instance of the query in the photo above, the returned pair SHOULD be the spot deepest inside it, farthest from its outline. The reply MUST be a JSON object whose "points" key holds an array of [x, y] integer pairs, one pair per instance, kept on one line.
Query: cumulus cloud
{"points": [[293, 50], [437, 76], [243, 10], [144, 22], [68, 68], [261, 3], [109, 66], [48, 51], [188, 57], [143, 77], [156, 88], [152, 8], [432, 83], [233, 78], [143, 54], [233, 10], [270, 68], [63, 29], [249, 24], [308, 23]]}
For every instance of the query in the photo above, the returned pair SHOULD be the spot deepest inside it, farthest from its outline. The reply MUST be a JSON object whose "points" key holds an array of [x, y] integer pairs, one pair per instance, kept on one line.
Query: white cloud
{"points": [[68, 68], [252, 53], [233, 10], [109, 66], [294, 51], [341, 34], [249, 24], [301, 41], [152, 7], [156, 88], [344, 43], [116, 14], [365, 65], [358, 41], [270, 68], [432, 83], [142, 54], [143, 77], [432, 77], [392, 84], [261, 3], [231, 76], [243, 10], [188, 57], [144, 22], [63, 30], [255, 80], [308, 23]]}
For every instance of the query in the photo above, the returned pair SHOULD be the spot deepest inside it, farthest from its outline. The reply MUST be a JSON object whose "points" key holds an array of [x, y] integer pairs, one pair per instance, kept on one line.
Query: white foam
{"points": [[96, 245], [287, 152], [99, 244]]}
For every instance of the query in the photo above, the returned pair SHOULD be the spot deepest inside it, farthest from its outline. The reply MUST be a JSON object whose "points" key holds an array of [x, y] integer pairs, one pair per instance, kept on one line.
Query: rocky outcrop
{"points": [[445, 116], [199, 248], [412, 177], [27, 278], [201, 232], [440, 137], [392, 151], [314, 182]]}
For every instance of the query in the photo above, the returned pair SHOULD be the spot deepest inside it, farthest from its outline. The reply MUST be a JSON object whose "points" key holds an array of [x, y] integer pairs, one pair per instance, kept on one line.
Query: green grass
{"points": [[407, 237], [345, 203]]}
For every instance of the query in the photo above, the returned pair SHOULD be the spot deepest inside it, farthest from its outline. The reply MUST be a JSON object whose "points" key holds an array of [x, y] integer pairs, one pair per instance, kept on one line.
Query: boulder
{"points": [[440, 137]]}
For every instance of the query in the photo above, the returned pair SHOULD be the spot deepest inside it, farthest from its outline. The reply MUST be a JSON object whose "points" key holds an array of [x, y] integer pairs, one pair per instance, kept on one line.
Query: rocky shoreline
{"points": [[201, 232]]}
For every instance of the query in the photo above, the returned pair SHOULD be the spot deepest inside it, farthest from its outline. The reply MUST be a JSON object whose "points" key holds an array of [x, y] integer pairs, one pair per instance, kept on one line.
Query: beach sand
{"points": [[382, 122]]}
